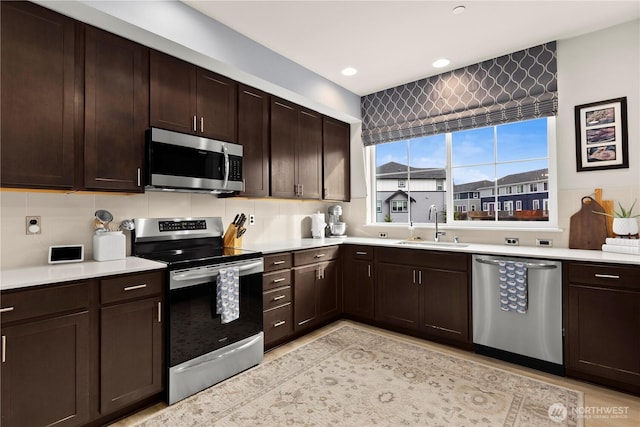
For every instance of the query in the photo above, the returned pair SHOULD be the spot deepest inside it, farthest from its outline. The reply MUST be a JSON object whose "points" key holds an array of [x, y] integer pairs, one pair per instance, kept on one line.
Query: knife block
{"points": [[230, 238]]}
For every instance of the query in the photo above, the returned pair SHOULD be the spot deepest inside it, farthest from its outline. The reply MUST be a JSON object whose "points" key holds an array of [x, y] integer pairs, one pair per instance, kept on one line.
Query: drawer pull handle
{"points": [[278, 262], [279, 297], [280, 323], [133, 288], [320, 255], [4, 348], [369, 270], [607, 276], [361, 253], [6, 309], [159, 312], [278, 280]]}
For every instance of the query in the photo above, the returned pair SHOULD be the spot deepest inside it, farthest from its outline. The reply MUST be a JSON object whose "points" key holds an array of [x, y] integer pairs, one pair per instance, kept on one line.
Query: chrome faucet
{"points": [[434, 210]]}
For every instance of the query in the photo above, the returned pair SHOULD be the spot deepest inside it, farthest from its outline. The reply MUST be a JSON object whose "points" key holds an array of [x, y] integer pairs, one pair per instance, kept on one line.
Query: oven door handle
{"points": [[214, 272], [226, 166]]}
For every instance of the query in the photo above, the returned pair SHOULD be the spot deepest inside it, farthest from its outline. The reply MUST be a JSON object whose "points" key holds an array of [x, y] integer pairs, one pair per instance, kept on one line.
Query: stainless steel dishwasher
{"points": [[533, 337]]}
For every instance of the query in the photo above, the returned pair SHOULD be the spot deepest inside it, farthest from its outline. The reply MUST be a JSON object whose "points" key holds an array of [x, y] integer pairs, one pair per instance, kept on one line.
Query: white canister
{"points": [[317, 225], [109, 245]]}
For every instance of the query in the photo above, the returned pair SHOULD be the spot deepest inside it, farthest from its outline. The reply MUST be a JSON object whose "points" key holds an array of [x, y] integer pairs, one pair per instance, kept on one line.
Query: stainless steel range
{"points": [[209, 337]]}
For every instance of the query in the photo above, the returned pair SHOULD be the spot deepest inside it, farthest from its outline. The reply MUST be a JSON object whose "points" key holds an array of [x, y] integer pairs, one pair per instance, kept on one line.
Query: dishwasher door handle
{"points": [[530, 265]]}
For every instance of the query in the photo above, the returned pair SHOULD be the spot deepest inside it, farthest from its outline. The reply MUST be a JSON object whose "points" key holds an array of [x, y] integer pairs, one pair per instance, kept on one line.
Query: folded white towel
{"points": [[228, 294], [620, 249], [623, 242]]}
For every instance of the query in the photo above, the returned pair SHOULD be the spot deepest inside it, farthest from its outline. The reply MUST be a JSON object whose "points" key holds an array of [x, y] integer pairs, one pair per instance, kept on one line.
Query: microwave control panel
{"points": [[235, 168]]}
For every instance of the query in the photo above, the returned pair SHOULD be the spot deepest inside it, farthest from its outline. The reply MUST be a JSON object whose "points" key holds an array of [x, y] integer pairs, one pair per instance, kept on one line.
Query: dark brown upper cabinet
{"points": [[296, 151], [189, 99], [337, 160], [253, 134], [39, 93], [116, 112]]}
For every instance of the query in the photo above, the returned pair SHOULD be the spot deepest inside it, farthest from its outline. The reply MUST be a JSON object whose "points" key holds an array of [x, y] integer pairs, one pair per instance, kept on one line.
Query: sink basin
{"points": [[432, 243]]}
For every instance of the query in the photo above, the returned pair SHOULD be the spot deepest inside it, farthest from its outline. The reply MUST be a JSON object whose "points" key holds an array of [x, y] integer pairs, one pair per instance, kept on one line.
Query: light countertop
{"points": [[471, 248], [47, 274], [41, 275]]}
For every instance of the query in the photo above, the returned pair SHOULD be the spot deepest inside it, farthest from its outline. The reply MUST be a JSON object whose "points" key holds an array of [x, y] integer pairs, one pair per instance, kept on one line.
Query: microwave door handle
{"points": [[226, 166]]}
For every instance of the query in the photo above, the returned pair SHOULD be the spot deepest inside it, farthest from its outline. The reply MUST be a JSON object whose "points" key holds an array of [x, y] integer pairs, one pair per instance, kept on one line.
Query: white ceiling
{"points": [[395, 42]]}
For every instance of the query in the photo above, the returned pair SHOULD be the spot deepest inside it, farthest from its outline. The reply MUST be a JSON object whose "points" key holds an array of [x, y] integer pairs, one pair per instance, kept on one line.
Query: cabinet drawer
{"points": [[276, 297], [25, 304], [277, 261], [424, 258], [310, 256], [278, 323], [129, 287], [358, 252], [604, 275], [277, 279]]}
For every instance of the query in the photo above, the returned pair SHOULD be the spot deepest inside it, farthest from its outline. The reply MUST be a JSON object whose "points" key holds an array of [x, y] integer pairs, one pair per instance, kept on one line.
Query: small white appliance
{"points": [[317, 225], [337, 228], [109, 245]]}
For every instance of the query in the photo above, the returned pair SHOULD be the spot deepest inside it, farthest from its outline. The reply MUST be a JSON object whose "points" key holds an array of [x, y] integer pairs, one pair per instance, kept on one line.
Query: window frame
{"points": [[552, 200]]}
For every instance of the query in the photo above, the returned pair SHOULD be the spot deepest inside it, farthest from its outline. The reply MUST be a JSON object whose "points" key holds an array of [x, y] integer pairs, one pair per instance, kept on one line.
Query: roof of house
{"points": [[515, 178], [394, 170], [399, 192]]}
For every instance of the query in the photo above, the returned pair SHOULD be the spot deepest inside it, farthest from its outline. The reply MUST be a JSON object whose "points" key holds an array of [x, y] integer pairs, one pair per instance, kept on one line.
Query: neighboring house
{"points": [[522, 195], [394, 181]]}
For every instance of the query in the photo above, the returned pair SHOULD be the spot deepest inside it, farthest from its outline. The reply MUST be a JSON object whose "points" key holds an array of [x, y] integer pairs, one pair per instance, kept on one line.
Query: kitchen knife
{"points": [[235, 220], [241, 221], [241, 231]]}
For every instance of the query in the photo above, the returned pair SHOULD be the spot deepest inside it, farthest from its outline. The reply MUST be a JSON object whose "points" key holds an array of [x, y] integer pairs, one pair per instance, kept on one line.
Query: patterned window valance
{"points": [[514, 87]]}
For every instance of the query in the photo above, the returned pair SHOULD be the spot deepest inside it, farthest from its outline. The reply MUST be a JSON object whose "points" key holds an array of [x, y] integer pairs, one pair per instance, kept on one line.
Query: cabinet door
{"points": [[328, 294], [309, 155], [38, 80], [116, 112], [336, 157], [284, 133], [604, 334], [445, 304], [304, 295], [398, 301], [173, 93], [45, 372], [131, 346], [253, 134], [358, 288], [217, 106]]}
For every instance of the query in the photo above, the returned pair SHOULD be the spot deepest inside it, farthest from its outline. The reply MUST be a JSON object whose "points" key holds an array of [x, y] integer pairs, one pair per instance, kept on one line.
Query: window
{"points": [[378, 206], [499, 166], [401, 183], [536, 204], [399, 206]]}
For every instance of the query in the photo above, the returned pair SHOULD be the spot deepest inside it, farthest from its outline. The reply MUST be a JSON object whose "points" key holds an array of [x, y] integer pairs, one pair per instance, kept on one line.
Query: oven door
{"points": [[194, 327]]}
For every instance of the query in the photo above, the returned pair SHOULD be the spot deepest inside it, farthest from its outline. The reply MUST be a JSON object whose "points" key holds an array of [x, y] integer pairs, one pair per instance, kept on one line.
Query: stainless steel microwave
{"points": [[182, 162]]}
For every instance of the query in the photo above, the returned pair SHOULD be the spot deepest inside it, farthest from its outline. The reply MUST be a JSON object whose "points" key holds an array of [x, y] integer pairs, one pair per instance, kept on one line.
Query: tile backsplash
{"points": [[68, 218]]}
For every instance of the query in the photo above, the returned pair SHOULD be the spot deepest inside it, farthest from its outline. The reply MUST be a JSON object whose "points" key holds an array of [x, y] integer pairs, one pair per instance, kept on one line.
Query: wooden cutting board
{"points": [[588, 230]]}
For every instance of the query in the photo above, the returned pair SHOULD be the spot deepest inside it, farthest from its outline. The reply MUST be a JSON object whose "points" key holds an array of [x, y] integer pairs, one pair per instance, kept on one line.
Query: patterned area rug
{"points": [[355, 377]]}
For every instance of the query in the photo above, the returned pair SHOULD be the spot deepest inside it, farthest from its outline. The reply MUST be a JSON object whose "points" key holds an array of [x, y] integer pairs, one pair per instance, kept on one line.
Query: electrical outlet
{"points": [[33, 225], [252, 219], [547, 243], [382, 235], [511, 241]]}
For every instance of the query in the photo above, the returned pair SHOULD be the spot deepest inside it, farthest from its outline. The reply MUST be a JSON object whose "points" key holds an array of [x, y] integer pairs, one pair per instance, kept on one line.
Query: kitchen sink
{"points": [[432, 243]]}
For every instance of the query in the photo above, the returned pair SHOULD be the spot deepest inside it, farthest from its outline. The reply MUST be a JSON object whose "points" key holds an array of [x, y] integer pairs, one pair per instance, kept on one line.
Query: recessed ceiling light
{"points": [[458, 10], [442, 62], [349, 71]]}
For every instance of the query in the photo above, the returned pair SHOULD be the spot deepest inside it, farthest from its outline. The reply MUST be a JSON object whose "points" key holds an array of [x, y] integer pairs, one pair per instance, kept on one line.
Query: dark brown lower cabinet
{"points": [[317, 291], [603, 324], [424, 292], [358, 282], [45, 372], [131, 356]]}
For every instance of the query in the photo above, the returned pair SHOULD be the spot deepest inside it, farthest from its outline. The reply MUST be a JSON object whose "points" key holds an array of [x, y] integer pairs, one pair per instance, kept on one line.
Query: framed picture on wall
{"points": [[601, 135]]}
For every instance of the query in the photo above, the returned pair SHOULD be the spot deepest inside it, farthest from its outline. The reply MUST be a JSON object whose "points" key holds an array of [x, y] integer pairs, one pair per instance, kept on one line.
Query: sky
{"points": [[473, 151]]}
